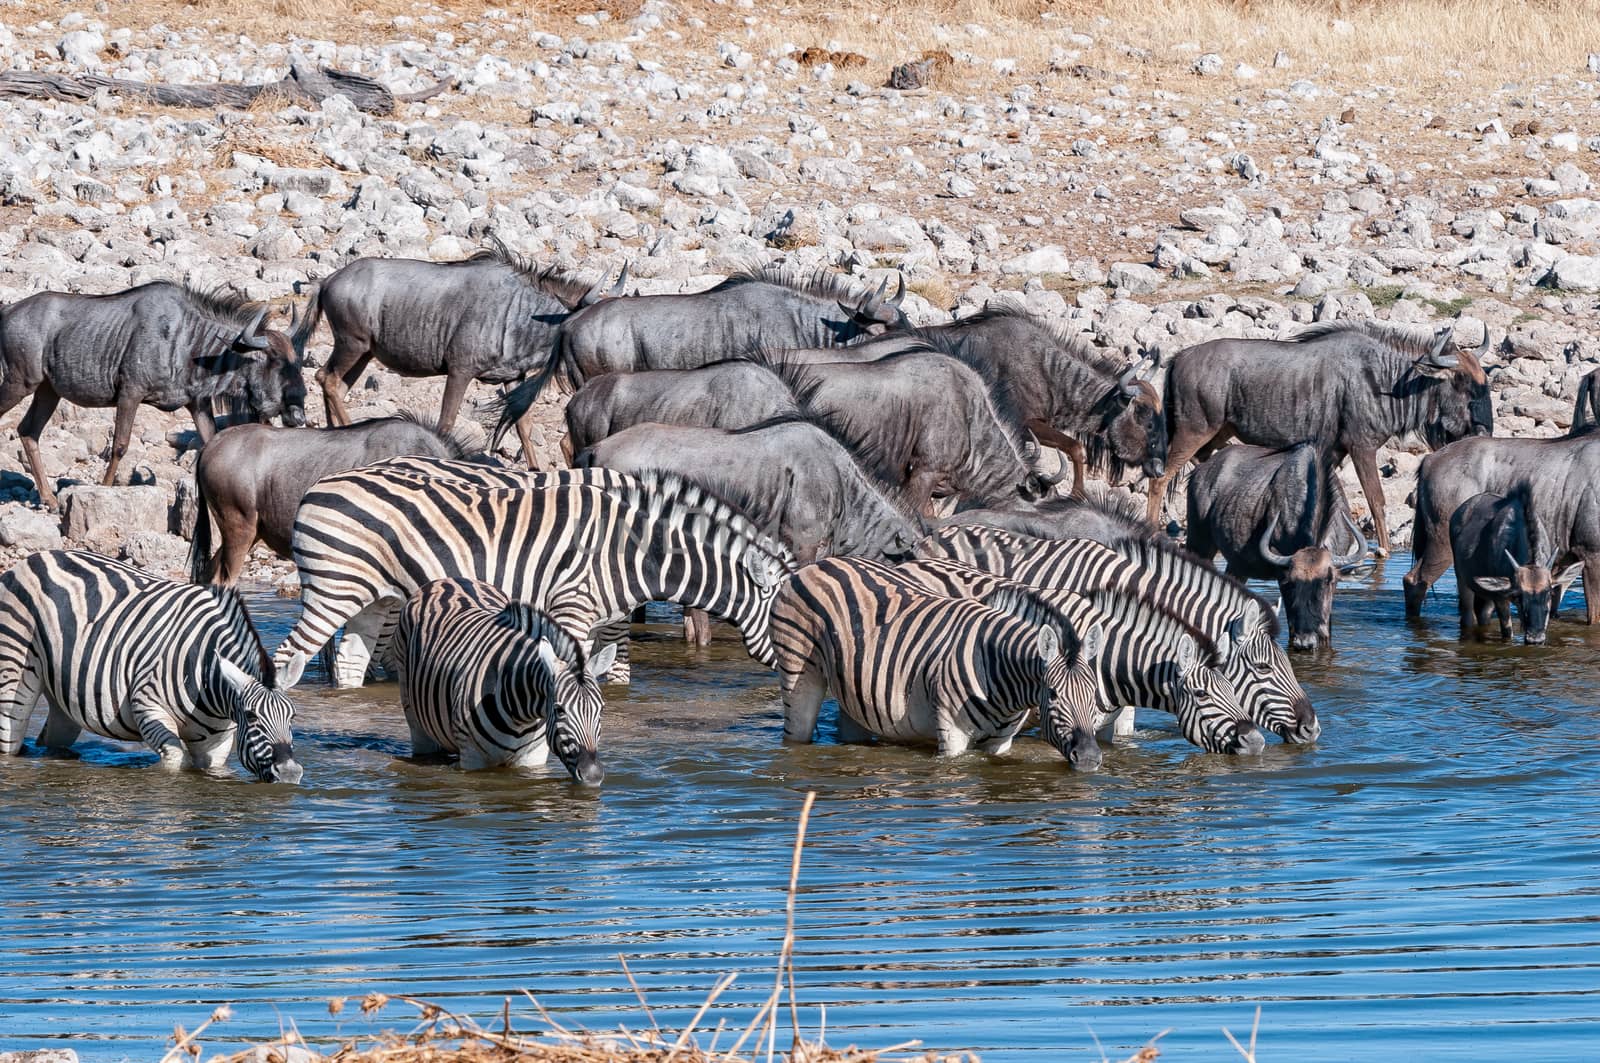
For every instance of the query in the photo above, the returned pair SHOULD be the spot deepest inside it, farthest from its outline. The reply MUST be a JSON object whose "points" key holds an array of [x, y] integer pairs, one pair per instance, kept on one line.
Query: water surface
{"points": [[1422, 883]]}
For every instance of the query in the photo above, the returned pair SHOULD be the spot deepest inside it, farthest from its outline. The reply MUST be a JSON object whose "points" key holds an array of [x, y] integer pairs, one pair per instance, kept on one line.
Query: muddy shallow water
{"points": [[1422, 882]]}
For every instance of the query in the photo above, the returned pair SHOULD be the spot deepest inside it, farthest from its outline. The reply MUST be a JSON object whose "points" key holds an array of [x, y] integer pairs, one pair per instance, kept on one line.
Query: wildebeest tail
{"points": [[307, 323], [200, 544]]}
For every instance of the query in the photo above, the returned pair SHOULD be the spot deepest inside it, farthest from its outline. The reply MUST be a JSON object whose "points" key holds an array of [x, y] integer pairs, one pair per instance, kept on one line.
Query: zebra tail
{"points": [[200, 568]]}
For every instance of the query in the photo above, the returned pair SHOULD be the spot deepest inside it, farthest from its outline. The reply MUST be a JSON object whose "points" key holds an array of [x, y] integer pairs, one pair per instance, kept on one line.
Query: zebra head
{"points": [[1206, 705], [263, 717], [1267, 687], [573, 705], [1069, 717]]}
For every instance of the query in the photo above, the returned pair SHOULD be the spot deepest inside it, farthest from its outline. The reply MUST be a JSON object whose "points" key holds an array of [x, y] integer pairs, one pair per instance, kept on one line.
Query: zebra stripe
{"points": [[906, 665], [585, 549], [497, 682], [1259, 668], [1146, 658], [126, 655]]}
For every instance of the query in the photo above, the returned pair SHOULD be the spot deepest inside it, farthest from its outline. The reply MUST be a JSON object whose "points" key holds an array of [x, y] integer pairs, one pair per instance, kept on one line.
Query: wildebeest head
{"points": [[1307, 581], [573, 704], [1135, 425], [1461, 402], [273, 371], [263, 719], [873, 314], [1531, 588]]}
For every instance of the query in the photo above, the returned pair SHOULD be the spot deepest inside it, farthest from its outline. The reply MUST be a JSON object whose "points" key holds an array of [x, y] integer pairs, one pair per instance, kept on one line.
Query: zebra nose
{"points": [[1085, 752], [289, 772], [588, 770], [1251, 740]]}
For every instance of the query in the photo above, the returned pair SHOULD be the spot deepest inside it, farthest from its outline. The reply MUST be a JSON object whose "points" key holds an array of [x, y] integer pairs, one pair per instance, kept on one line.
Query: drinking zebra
{"points": [[497, 682], [585, 548], [1219, 609], [123, 654], [911, 666], [1146, 658]]}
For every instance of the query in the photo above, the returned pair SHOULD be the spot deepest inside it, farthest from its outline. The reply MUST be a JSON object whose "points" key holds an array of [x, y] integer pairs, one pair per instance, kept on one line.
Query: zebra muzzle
{"points": [[588, 771], [1084, 754]]}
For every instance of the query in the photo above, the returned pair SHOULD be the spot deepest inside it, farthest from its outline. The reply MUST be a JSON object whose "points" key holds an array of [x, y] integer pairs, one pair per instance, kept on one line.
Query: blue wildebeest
{"points": [[123, 654], [1556, 476], [1497, 552], [492, 317], [487, 679], [768, 306], [792, 477], [733, 394], [1070, 396], [255, 475], [1586, 411], [1347, 387], [160, 344], [1274, 514], [937, 427]]}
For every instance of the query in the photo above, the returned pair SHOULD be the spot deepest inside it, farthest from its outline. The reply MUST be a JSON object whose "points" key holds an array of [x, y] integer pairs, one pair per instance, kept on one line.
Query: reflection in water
{"points": [[1423, 879]]}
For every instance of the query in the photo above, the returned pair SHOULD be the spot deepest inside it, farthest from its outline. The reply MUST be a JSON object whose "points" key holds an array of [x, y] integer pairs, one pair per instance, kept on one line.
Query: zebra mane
{"points": [[229, 600], [566, 287], [1026, 603], [537, 624], [820, 283], [1160, 555], [1167, 628], [728, 520]]}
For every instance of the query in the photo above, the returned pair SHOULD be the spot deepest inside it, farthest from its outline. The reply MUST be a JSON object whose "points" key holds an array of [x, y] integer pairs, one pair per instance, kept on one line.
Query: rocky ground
{"points": [[1148, 200]]}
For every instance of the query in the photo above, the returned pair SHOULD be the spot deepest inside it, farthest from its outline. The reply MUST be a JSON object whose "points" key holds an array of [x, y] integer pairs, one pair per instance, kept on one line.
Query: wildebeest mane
{"points": [[819, 283], [1413, 343], [870, 461], [566, 287], [1002, 403], [230, 310]]}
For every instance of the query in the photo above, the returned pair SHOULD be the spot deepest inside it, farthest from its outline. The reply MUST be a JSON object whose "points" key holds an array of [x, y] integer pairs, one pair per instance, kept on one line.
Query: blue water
{"points": [[1421, 884]]}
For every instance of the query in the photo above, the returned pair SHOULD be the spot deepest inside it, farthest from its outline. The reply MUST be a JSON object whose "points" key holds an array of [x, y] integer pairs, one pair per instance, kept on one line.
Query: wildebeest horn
{"points": [[1441, 343], [1061, 474], [1483, 348], [250, 336], [1512, 558], [899, 291], [1265, 546], [622, 280], [1129, 380], [595, 293], [1350, 560]]}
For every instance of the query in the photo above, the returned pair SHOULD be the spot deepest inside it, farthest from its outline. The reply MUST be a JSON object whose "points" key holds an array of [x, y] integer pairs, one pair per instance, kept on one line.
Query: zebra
{"points": [[1215, 607], [586, 552], [907, 665], [482, 676], [123, 654], [1145, 657]]}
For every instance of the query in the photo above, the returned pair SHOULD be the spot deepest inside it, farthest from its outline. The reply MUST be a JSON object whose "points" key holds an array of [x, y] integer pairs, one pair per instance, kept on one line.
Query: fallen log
{"points": [[304, 84]]}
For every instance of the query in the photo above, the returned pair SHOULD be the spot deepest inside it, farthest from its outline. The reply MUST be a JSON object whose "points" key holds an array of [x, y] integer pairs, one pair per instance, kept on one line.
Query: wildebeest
{"points": [[932, 422], [255, 475], [160, 344], [1274, 514], [770, 306], [1586, 411], [1558, 477], [1497, 553], [791, 477], [492, 317], [1347, 387], [1067, 394], [733, 394]]}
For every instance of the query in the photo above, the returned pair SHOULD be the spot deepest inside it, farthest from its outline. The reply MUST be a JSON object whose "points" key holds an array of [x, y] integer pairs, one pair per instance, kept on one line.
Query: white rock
{"points": [[82, 49], [1575, 273], [24, 528], [1045, 261], [1208, 65], [101, 516], [1135, 278]]}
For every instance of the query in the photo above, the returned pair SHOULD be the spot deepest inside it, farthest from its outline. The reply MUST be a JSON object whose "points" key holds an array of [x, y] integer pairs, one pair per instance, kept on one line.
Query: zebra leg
{"points": [[16, 706], [384, 664], [361, 635], [1117, 724], [802, 702], [59, 732], [155, 730], [210, 754], [999, 745], [952, 740], [851, 733], [615, 631]]}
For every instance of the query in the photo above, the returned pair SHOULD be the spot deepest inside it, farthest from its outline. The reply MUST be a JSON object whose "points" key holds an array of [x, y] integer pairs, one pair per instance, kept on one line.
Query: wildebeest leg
{"points": [[1366, 463], [1433, 556], [1185, 444], [344, 368], [1591, 588], [238, 536], [205, 422], [1502, 609], [525, 437], [696, 627], [455, 388], [566, 449], [121, 433], [45, 401]]}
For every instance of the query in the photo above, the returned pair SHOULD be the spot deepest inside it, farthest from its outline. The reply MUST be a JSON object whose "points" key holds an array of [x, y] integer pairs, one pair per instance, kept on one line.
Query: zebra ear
{"points": [[761, 569], [1188, 653], [1049, 643], [1089, 642], [600, 664], [547, 656], [292, 671], [234, 676]]}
